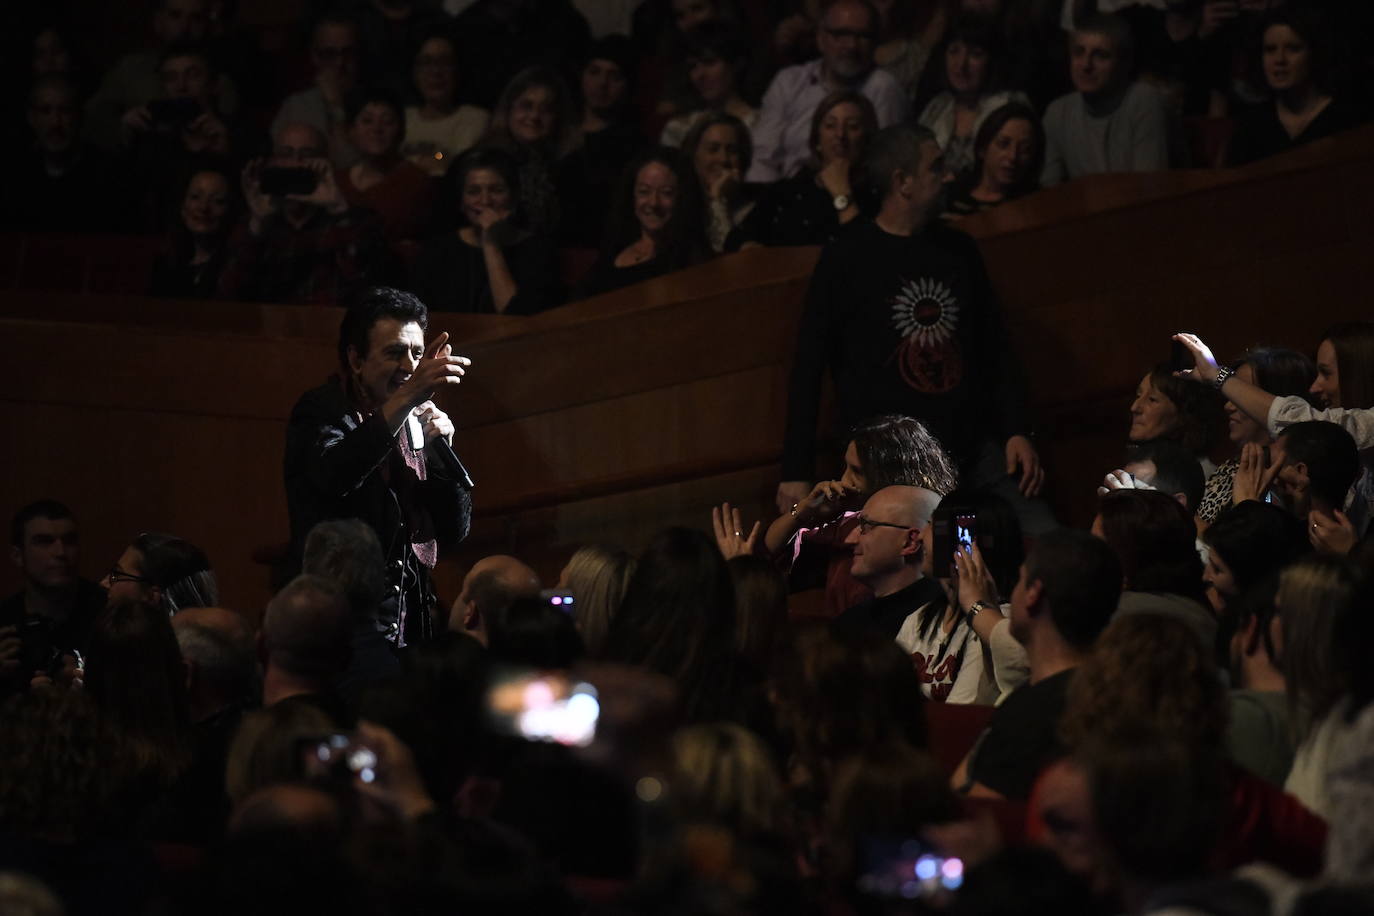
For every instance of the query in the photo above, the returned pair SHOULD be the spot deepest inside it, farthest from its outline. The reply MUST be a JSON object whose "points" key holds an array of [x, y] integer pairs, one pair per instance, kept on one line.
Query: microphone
{"points": [[440, 449]]}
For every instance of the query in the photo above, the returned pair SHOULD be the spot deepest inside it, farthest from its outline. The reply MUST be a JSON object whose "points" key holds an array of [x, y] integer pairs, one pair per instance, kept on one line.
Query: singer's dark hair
{"points": [[371, 306]]}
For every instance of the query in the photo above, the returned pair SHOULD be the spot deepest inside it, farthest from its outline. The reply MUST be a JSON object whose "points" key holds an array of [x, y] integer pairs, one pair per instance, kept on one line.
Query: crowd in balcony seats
{"points": [[907, 689], [1019, 96]]}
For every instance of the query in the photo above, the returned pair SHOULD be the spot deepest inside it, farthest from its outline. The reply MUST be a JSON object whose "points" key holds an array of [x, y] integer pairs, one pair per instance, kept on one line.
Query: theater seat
{"points": [[112, 264], [953, 728]]}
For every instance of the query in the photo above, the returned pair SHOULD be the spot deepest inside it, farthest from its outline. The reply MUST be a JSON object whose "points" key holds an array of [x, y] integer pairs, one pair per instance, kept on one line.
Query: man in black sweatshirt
{"points": [[901, 311]]}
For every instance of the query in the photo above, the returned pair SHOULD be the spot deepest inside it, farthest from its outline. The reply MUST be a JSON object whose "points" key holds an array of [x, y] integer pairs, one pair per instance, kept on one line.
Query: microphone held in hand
{"points": [[441, 450]]}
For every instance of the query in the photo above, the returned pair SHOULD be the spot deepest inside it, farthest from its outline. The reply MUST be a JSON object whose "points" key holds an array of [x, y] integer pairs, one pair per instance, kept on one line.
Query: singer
{"points": [[349, 454]]}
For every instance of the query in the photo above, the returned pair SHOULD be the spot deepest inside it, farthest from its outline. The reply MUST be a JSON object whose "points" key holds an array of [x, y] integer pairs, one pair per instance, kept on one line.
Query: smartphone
{"points": [[335, 759], [953, 528], [538, 706], [560, 598], [1180, 360], [281, 181], [908, 869], [174, 113]]}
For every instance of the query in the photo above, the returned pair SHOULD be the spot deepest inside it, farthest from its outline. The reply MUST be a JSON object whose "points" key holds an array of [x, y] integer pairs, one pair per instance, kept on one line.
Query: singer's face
{"points": [[393, 351]]}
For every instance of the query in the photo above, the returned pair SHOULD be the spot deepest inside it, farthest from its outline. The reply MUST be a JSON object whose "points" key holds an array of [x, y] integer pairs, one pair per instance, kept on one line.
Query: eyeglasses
{"points": [[118, 575], [867, 524]]}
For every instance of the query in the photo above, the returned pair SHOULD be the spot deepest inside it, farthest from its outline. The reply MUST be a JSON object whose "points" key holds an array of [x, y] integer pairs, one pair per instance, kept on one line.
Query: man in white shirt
{"points": [[845, 37]]}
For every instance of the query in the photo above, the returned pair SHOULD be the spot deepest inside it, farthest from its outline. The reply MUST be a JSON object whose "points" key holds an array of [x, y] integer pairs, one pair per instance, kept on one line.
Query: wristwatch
{"points": [[841, 202], [1222, 375], [976, 607]]}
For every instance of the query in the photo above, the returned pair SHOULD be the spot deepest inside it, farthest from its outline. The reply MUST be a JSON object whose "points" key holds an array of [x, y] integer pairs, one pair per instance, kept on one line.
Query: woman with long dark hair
{"points": [[200, 231], [1007, 153], [655, 227]]}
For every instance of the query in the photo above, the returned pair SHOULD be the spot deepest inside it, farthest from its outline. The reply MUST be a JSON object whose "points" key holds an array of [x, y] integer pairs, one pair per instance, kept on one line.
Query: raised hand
{"points": [[1254, 476], [1021, 453], [1334, 534], [729, 531], [1204, 363]]}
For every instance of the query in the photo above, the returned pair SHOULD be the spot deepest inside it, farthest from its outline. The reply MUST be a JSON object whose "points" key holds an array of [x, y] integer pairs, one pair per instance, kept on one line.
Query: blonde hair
{"points": [[724, 773], [597, 577], [1311, 594], [266, 749]]}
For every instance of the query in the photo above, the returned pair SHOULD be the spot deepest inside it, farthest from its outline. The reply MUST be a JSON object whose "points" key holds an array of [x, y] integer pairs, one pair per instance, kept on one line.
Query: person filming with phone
{"points": [[301, 241], [365, 445]]}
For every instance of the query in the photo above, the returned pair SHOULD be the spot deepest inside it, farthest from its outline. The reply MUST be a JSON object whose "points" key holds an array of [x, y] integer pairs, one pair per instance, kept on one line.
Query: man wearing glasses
{"points": [[334, 53], [888, 551], [845, 38]]}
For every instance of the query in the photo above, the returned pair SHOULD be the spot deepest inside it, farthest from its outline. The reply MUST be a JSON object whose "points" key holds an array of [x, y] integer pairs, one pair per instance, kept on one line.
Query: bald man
{"points": [[490, 587], [217, 648], [888, 552], [304, 244]]}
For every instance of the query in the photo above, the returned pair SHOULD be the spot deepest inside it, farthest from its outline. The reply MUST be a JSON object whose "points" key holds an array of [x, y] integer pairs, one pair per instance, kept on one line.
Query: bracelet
{"points": [[794, 509], [976, 607], [1222, 375]]}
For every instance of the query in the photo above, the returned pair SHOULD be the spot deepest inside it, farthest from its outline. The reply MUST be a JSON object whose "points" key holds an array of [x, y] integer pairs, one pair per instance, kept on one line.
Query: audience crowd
{"points": [[301, 170], [910, 690]]}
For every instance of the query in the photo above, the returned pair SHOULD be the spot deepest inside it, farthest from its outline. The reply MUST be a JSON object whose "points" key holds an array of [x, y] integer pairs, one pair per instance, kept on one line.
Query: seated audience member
{"points": [[678, 620], [199, 237], [1155, 540], [1167, 406], [335, 56], [597, 577], [1296, 55], [180, 124], [724, 774], [162, 571], [499, 38], [845, 36], [1163, 465], [1247, 542], [1317, 464], [970, 90], [390, 32], [1109, 123], [59, 183], [606, 140], [52, 53], [1345, 384], [304, 646], [719, 149], [655, 227], [221, 685], [53, 613], [760, 609], [440, 128], [889, 549], [348, 553], [867, 317], [1067, 590], [395, 189], [530, 632], [137, 677], [1313, 593], [716, 57], [1006, 162], [1277, 370], [953, 660], [810, 207], [1348, 850], [1260, 731], [134, 80], [532, 121], [296, 245], [813, 534], [491, 264], [491, 585]]}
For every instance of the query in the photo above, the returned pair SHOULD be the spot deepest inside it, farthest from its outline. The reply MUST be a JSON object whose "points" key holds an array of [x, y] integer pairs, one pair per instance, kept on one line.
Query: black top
{"points": [[1260, 134], [40, 638], [337, 466], [795, 211], [1022, 737], [885, 615], [906, 325], [605, 276], [176, 277], [451, 276]]}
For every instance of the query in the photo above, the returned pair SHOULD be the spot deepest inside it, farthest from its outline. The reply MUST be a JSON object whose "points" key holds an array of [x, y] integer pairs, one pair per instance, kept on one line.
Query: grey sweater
{"points": [[1126, 133]]}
